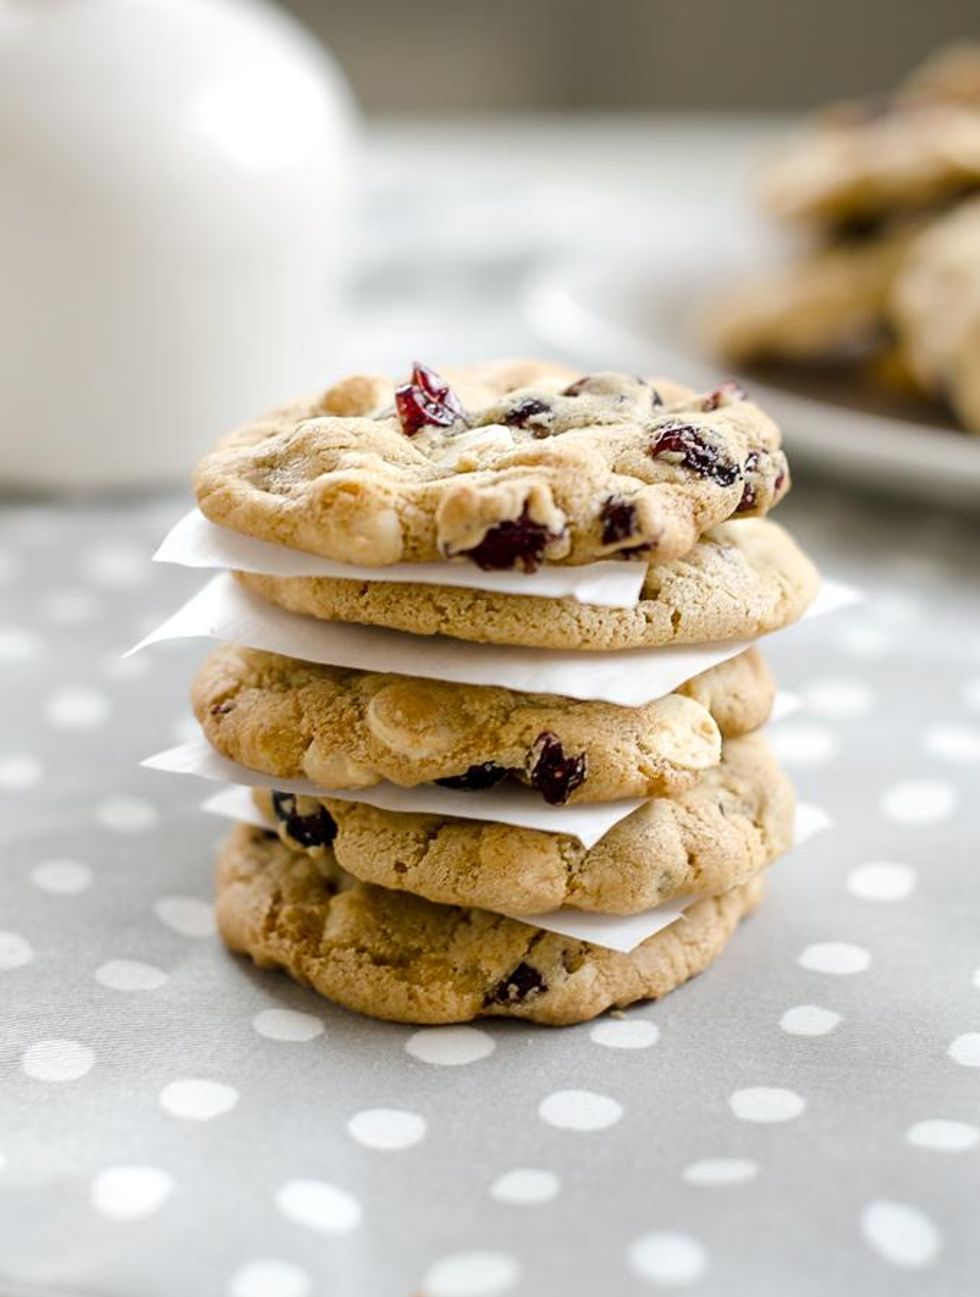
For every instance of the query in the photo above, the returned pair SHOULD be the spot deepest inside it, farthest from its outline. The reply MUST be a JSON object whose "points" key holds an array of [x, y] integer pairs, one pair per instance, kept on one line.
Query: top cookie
{"points": [[507, 465], [860, 163]]}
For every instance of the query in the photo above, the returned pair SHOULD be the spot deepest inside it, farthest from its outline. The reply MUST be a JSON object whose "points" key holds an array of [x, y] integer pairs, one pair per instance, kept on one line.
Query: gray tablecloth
{"points": [[803, 1117]]}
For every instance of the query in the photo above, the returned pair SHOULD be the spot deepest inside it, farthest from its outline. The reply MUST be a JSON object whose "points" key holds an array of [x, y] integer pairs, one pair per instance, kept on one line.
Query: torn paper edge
{"points": [[197, 542]]}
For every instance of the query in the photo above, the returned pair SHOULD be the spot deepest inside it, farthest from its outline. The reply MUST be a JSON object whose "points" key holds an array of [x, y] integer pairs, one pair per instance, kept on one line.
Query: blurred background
{"points": [[462, 56]]}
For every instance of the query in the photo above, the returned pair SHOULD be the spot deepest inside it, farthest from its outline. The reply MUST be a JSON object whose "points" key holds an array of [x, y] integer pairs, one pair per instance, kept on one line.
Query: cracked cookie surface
{"points": [[350, 729], [390, 955], [734, 822], [507, 465], [740, 580]]}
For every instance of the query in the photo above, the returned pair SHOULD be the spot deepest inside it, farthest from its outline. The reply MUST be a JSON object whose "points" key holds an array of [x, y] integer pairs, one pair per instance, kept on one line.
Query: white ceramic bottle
{"points": [[173, 185]]}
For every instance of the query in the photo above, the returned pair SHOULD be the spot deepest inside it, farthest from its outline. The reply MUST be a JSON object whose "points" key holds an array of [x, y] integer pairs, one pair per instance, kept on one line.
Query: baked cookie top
{"points": [[506, 465], [736, 820], [740, 580], [859, 163], [351, 729], [391, 955]]}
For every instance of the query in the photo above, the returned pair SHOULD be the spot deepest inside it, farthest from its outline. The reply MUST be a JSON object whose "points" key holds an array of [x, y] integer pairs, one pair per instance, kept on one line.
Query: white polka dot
{"points": [[471, 1274], [117, 565], [763, 1103], [918, 801], [187, 915], [134, 668], [971, 694], [319, 1206], [386, 1128], [943, 1136], [965, 1049], [525, 1187], [865, 642], [15, 950], [809, 1020], [881, 880], [269, 1278], [69, 607], [667, 1259], [957, 743], [580, 1110], [839, 698], [803, 745], [287, 1024], [449, 1046], [18, 772], [838, 957], [18, 644], [76, 709], [130, 975], [625, 1033], [130, 1192], [126, 814], [62, 877], [196, 1099], [58, 1060], [901, 1234], [717, 1172]]}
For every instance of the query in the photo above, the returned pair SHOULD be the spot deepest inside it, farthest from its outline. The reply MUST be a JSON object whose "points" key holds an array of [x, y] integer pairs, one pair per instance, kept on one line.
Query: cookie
{"points": [[860, 165], [734, 822], [829, 304], [935, 309], [740, 580], [351, 729], [507, 465], [399, 957]]}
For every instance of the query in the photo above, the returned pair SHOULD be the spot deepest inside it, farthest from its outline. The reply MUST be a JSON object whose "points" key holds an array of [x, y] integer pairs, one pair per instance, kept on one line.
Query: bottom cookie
{"points": [[396, 956]]}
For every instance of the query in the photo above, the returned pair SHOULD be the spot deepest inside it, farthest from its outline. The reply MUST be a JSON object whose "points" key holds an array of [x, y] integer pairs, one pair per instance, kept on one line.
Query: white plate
{"points": [[643, 317]]}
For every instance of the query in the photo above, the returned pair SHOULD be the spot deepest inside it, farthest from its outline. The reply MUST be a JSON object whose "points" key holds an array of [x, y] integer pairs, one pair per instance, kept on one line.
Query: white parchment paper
{"points": [[507, 803], [222, 610], [616, 932], [195, 541]]}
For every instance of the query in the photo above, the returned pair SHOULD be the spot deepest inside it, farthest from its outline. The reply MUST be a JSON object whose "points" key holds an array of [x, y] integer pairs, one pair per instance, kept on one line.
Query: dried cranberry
{"points": [[517, 543], [618, 518], [316, 828], [554, 775], [691, 449], [519, 985], [426, 401], [485, 775], [726, 393], [520, 414]]}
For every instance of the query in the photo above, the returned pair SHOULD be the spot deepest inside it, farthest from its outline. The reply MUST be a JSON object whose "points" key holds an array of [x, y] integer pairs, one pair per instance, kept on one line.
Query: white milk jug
{"points": [[173, 186]]}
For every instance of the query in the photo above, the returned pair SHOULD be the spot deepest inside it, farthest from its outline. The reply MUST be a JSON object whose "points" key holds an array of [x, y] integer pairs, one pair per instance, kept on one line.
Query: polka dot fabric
{"points": [[175, 1121]]}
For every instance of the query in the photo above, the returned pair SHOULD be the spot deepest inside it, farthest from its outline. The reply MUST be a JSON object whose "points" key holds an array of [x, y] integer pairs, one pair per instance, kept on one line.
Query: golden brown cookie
{"points": [[935, 309], [739, 581], [351, 729], [734, 822], [507, 465], [395, 956], [829, 304]]}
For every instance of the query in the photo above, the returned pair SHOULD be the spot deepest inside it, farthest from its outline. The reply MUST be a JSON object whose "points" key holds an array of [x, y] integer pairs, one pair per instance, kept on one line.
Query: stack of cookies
{"points": [[424, 916], [888, 283]]}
